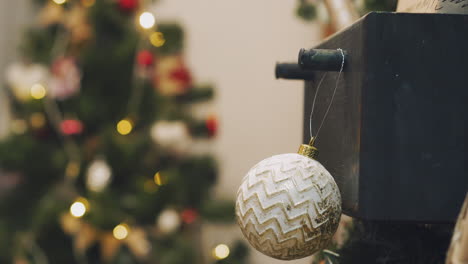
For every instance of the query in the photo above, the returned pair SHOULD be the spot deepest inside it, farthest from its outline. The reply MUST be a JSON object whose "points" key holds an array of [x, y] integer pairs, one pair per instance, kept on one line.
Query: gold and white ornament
{"points": [[98, 175], [168, 221], [65, 80], [289, 206], [171, 76], [173, 135], [21, 78]]}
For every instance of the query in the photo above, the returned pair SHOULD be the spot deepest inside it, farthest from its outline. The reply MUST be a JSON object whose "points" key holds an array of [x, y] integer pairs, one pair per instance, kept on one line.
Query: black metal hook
{"points": [[292, 71], [321, 59]]}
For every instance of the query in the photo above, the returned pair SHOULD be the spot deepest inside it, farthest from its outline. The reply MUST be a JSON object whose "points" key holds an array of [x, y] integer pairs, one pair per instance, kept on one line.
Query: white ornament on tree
{"points": [[289, 206], [168, 221], [98, 175], [65, 80], [173, 135], [21, 77]]}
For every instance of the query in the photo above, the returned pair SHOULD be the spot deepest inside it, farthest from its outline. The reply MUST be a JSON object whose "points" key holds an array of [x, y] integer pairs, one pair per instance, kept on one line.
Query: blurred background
{"points": [[128, 125]]}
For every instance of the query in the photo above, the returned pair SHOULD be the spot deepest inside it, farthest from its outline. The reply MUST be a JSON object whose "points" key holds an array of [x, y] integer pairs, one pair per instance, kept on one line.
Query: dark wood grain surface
{"points": [[396, 136]]}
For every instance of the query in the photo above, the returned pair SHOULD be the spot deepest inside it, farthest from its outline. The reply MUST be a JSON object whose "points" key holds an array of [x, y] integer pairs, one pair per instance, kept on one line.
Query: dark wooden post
{"points": [[396, 136]]}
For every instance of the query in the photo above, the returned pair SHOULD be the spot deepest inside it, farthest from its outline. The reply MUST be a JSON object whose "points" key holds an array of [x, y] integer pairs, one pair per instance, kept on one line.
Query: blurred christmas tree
{"points": [[98, 166], [335, 15]]}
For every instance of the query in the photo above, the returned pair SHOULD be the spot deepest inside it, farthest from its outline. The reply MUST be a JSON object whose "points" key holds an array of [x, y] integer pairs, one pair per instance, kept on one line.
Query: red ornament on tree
{"points": [[145, 58], [182, 75], [212, 125], [71, 127], [128, 5], [189, 215]]}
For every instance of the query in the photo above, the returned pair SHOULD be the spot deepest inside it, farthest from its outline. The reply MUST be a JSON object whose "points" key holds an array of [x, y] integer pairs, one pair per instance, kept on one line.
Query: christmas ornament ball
{"points": [[211, 125], [98, 176], [145, 58], [22, 76], [128, 5], [173, 135], [65, 80], [168, 221], [288, 206]]}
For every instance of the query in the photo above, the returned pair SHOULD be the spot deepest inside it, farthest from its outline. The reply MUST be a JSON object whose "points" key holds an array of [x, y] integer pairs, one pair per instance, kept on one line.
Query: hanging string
{"points": [[331, 100], [313, 103]]}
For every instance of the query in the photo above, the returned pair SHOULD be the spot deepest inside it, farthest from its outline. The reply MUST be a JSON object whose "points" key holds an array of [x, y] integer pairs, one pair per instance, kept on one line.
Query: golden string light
{"points": [[159, 179], [121, 231], [79, 207], [221, 251], [38, 91], [124, 127], [147, 20], [157, 39]]}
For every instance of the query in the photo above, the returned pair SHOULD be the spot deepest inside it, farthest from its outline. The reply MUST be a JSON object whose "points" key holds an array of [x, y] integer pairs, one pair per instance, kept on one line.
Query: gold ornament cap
{"points": [[308, 150]]}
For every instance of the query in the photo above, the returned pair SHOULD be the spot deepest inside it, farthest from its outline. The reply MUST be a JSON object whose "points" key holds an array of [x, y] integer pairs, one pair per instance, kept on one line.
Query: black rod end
{"points": [[292, 71], [321, 59]]}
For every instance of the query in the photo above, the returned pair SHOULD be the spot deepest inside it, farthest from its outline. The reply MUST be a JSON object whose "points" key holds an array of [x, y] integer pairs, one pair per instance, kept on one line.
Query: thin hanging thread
{"points": [[331, 100]]}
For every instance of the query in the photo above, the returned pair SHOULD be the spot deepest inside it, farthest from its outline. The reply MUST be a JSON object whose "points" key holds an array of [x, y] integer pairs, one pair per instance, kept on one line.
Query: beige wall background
{"points": [[235, 45], [14, 17]]}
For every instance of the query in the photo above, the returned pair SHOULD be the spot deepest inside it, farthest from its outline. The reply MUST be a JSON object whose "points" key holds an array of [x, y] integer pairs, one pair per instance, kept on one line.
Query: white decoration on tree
{"points": [[288, 206], [65, 80], [98, 175], [173, 135], [21, 77], [168, 221]]}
